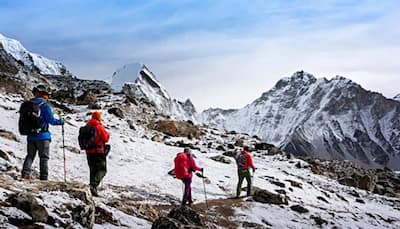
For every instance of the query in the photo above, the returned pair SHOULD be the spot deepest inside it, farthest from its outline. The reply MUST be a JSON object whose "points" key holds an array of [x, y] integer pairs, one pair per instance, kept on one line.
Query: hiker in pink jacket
{"points": [[184, 168]]}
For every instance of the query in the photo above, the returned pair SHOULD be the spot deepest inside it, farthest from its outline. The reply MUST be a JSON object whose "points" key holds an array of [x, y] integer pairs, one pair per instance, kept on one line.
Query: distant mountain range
{"points": [[333, 119]]}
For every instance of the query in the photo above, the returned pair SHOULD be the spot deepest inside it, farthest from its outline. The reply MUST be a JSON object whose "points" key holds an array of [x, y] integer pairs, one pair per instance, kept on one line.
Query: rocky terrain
{"points": [[137, 192]]}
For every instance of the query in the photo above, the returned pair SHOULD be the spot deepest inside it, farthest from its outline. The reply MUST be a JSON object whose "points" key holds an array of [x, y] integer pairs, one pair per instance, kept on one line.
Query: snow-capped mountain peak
{"points": [[138, 81], [32, 60], [334, 118]]}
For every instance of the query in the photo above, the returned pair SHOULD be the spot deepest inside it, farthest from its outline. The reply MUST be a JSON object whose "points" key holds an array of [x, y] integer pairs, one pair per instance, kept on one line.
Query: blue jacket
{"points": [[47, 118]]}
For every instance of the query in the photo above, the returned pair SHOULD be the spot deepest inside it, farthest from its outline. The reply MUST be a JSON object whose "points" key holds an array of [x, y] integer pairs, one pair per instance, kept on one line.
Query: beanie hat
{"points": [[96, 115], [41, 89], [187, 150]]}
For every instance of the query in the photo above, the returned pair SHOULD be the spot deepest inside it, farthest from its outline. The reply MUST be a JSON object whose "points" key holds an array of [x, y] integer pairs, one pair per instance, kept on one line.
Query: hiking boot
{"points": [[93, 190], [26, 175], [43, 178]]}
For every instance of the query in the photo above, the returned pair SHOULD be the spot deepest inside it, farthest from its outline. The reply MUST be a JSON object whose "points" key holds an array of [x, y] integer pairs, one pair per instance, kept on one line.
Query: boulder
{"points": [[263, 146], [55, 204], [230, 153], [30, 205], [183, 144], [94, 106], [8, 135], [179, 217], [295, 183], [156, 138], [116, 111], [222, 159], [300, 209], [318, 220], [265, 196], [64, 95], [220, 148], [166, 223], [131, 125], [86, 98], [4, 155], [176, 128], [273, 151]]}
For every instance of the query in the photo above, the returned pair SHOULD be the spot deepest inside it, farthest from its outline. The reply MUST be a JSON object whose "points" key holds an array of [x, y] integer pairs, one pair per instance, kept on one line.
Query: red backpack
{"points": [[181, 163]]}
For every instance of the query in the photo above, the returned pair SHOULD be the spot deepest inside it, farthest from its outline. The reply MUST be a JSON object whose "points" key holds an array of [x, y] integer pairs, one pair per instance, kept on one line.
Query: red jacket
{"points": [[101, 138], [249, 160]]}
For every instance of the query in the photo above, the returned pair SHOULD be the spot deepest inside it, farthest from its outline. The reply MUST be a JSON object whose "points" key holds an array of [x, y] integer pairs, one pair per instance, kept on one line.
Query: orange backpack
{"points": [[181, 166]]}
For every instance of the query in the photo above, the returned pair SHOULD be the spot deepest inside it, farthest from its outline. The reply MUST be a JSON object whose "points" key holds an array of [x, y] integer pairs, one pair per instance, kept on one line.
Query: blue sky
{"points": [[219, 53]]}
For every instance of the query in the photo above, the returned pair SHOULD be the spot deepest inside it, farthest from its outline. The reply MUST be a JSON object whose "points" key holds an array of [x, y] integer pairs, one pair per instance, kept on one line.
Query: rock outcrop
{"points": [[56, 204], [177, 128], [179, 217]]}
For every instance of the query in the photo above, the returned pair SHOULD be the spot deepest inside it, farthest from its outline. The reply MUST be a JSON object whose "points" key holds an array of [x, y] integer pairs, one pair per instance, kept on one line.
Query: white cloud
{"points": [[228, 65], [232, 72]]}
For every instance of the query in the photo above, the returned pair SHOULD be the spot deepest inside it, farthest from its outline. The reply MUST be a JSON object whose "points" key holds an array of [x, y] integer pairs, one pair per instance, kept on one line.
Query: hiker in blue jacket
{"points": [[40, 142]]}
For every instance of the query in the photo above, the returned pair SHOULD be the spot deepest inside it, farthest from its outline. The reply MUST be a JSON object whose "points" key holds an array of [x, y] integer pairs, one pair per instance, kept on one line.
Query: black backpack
{"points": [[86, 137], [29, 122]]}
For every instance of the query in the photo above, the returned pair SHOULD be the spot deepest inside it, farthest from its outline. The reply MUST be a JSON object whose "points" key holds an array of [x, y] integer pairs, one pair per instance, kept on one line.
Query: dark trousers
{"points": [[98, 168], [187, 195], [43, 148], [243, 173]]}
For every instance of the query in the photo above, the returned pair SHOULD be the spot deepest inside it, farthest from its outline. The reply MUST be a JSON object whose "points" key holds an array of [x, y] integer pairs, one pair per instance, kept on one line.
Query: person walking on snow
{"points": [[244, 162], [184, 168], [96, 156], [40, 140]]}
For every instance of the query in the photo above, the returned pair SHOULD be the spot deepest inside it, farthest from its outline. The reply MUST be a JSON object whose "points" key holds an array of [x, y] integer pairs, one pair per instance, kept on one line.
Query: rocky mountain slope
{"points": [[32, 60], [137, 191], [137, 81], [332, 119]]}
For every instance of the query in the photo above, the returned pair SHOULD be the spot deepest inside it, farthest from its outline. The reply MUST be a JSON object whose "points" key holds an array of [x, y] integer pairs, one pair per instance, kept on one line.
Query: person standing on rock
{"points": [[39, 111], [96, 156], [183, 169], [244, 162]]}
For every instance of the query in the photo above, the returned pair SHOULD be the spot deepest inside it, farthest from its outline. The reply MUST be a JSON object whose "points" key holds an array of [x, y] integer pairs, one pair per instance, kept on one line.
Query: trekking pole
{"points": [[63, 143], [204, 186]]}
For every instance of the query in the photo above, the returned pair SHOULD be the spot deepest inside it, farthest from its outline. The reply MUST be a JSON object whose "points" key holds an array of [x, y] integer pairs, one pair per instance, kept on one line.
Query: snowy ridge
{"points": [[333, 119], [397, 97], [32, 60], [138, 81]]}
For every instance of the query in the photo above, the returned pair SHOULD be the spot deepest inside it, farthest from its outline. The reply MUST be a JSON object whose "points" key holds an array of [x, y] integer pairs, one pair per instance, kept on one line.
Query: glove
{"points": [[62, 121], [254, 169], [202, 169]]}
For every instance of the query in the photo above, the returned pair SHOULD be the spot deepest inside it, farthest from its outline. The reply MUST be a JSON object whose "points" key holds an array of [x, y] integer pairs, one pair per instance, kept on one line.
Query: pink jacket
{"points": [[192, 166]]}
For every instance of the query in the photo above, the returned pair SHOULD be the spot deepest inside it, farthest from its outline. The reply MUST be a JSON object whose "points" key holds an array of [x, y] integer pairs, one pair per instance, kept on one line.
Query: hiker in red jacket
{"points": [[184, 166], [96, 157], [244, 162]]}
